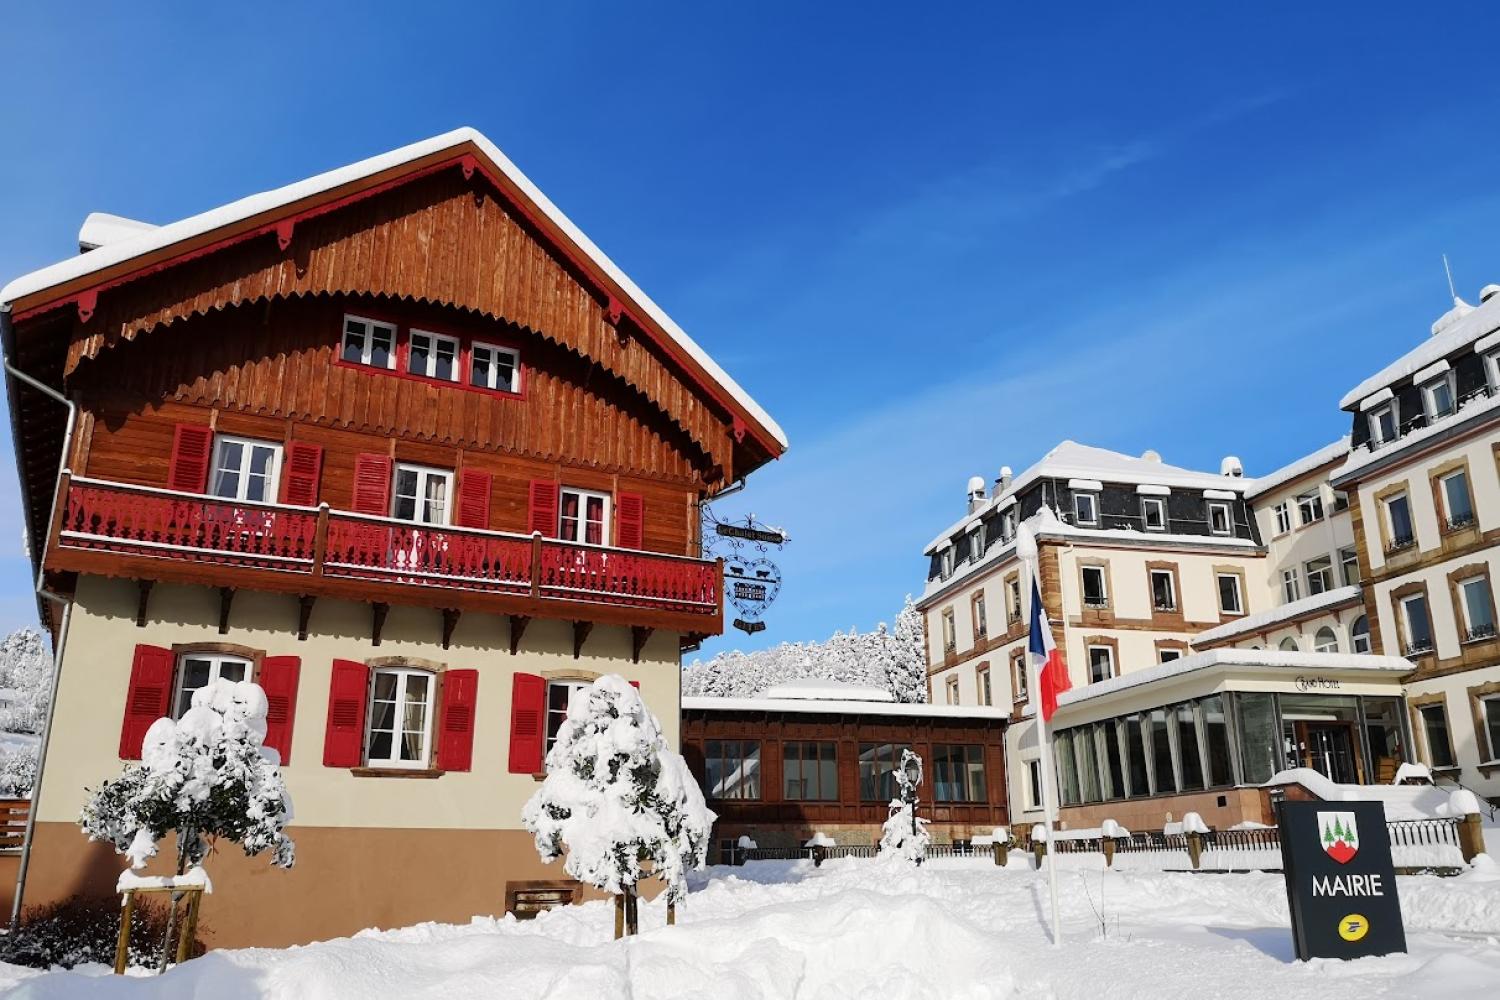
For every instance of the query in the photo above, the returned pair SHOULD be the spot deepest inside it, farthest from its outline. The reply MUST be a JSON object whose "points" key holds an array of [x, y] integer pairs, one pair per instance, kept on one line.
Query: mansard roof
{"points": [[1454, 331]]}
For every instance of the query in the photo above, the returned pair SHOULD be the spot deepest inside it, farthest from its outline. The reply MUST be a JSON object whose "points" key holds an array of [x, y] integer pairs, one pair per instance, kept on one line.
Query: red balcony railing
{"points": [[138, 520], [319, 542]]}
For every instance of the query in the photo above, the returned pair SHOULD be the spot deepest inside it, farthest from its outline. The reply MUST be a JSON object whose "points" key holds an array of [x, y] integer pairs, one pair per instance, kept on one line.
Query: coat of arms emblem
{"points": [[1340, 835]]}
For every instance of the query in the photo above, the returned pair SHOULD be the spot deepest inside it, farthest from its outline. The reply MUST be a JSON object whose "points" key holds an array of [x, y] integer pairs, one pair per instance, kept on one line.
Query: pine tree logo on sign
{"points": [[1340, 835]]}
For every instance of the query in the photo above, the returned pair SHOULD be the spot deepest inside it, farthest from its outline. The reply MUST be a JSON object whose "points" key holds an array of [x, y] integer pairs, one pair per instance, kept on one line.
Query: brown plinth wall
{"points": [[1240, 804], [345, 879]]}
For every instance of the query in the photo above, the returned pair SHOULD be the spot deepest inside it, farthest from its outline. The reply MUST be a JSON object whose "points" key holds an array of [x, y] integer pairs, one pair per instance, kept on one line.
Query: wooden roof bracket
{"points": [[143, 599], [638, 636], [378, 611], [305, 604], [226, 599], [581, 632], [518, 625], [450, 622]]}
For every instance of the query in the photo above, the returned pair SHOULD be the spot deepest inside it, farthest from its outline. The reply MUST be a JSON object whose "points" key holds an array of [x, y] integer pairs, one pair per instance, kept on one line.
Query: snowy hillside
{"points": [[887, 658]]}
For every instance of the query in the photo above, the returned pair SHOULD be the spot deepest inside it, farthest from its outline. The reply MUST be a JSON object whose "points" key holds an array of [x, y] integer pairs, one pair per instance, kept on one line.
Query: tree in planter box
{"points": [[619, 802], [207, 776]]}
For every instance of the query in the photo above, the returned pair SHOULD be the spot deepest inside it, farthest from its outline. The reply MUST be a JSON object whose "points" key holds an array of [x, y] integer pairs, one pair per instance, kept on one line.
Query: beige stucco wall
{"points": [[103, 635], [1303, 542]]}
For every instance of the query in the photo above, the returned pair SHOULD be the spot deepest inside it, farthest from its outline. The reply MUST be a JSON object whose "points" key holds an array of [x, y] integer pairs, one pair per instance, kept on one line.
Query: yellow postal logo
{"points": [[1353, 927]]}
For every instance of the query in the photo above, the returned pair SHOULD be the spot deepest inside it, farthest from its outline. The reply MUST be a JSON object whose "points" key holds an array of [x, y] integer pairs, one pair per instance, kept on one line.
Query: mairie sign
{"points": [[1340, 882]]}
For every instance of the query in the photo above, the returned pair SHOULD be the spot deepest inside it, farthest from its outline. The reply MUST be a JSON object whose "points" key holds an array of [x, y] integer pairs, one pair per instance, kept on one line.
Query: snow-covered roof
{"points": [[1299, 468], [157, 238], [1088, 464], [1266, 658], [818, 707], [1474, 408], [815, 687], [1456, 329], [1263, 620], [101, 229]]}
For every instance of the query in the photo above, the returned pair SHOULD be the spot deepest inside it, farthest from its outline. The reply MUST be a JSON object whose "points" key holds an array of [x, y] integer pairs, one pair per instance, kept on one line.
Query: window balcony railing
{"points": [[1419, 647], [1458, 521], [1400, 544], [1422, 420], [1160, 605], [1479, 632], [141, 521], [1095, 602]]}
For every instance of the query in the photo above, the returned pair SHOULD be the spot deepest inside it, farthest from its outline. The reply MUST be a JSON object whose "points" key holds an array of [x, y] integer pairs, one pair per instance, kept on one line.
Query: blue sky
{"points": [[929, 241]]}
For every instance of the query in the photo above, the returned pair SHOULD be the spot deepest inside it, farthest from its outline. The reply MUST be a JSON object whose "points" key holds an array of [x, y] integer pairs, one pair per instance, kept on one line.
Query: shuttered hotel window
{"points": [[372, 484], [455, 748], [542, 516], [631, 514], [343, 741], [528, 703], [473, 498], [304, 467], [192, 447], [278, 678]]}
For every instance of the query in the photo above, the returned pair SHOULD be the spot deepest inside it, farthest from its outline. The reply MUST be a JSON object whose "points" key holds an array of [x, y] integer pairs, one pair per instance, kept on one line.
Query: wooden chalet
{"points": [[399, 442]]}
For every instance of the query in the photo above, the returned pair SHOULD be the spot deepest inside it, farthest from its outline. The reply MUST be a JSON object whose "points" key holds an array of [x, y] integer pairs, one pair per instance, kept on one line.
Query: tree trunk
{"points": [[167, 949]]}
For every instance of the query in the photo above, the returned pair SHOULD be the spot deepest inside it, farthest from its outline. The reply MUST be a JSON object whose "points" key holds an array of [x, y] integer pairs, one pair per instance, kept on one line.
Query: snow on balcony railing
{"points": [[382, 548], [145, 521]]}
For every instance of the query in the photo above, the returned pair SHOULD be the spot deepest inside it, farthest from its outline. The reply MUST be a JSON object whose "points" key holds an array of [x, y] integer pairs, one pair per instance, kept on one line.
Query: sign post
{"points": [[1340, 883]]}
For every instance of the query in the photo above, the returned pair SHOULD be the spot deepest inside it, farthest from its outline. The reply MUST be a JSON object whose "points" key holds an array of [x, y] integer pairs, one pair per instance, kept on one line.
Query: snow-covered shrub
{"points": [[77, 931], [206, 776], [26, 676], [892, 659], [619, 802], [17, 772], [902, 836]]}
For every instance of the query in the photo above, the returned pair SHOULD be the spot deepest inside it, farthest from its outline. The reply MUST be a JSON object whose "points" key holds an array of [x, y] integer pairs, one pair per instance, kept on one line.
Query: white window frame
{"points": [[1390, 522], [582, 528], [1288, 644], [1489, 706], [273, 478], [950, 689], [549, 738], [424, 474], [1310, 508], [1171, 587], [401, 674], [1349, 557], [1228, 512], [216, 664], [1291, 585], [1033, 783], [950, 630], [1283, 515], [1109, 651], [945, 561], [1358, 639], [1084, 571], [976, 544], [1406, 629], [1008, 525], [494, 351], [986, 687], [1167, 654], [1022, 678], [1325, 574], [1160, 504], [1441, 706], [1375, 414], [1492, 368], [367, 342], [1239, 596], [1463, 601], [1443, 481], [434, 340], [1429, 403], [1092, 500], [1319, 646]]}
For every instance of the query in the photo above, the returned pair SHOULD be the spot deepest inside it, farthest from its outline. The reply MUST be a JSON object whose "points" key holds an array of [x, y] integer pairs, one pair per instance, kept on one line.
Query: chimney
{"points": [[1231, 467], [975, 493], [1003, 483]]}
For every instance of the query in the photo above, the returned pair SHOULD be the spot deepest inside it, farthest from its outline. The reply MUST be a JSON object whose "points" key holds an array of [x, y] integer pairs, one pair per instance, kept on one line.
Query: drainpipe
{"points": [[13, 373]]}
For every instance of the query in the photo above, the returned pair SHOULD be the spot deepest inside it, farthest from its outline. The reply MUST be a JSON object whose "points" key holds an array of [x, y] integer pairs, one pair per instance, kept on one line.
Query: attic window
{"points": [[1219, 521], [369, 342], [433, 355], [492, 367], [1437, 397], [1086, 508], [1383, 423]]}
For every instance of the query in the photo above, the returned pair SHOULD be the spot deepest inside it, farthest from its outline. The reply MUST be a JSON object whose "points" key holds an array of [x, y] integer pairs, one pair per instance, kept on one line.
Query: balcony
{"points": [[115, 529]]}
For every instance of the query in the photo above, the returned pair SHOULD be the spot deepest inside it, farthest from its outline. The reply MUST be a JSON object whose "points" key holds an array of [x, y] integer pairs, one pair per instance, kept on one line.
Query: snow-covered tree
{"points": [[892, 659], [207, 776], [18, 773], [26, 674], [902, 837], [617, 800]]}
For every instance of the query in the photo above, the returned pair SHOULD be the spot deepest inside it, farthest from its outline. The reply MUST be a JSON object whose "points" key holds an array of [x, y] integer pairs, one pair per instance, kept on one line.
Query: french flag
{"points": [[1052, 671]]}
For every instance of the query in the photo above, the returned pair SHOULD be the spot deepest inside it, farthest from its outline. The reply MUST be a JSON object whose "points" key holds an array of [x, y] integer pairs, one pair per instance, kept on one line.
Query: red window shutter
{"points": [[147, 698], [636, 685], [304, 466], [278, 678], [631, 513], [192, 446], [372, 484], [473, 498], [343, 744], [456, 731], [543, 508], [528, 710]]}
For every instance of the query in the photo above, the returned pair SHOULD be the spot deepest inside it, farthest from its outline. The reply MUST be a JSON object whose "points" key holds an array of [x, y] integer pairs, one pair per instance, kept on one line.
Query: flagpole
{"points": [[1044, 739]]}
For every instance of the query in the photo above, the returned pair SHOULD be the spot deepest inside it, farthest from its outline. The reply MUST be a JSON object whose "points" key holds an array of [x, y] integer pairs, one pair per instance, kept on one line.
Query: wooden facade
{"points": [[240, 331], [774, 820]]}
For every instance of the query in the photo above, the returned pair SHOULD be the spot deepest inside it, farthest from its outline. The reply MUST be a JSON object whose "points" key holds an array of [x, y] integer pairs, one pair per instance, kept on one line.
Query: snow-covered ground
{"points": [[955, 929]]}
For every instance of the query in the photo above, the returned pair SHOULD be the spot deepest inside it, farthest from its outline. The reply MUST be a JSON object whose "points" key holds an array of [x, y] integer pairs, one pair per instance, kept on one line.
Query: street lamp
{"points": [[912, 767]]}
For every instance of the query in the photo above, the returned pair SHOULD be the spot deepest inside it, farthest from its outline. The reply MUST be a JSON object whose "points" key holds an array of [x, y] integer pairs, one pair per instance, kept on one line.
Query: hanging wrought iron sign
{"points": [[751, 579]]}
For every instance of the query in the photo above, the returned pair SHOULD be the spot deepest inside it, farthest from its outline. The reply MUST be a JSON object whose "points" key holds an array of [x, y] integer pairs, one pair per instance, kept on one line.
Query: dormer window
{"points": [[1008, 525], [1492, 376], [1086, 508], [1220, 521], [1154, 513], [1437, 397], [368, 342], [945, 562], [1383, 423], [976, 545]]}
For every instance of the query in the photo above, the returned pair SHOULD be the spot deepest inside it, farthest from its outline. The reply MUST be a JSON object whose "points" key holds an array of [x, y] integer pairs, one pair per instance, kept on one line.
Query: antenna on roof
{"points": [[1452, 292]]}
